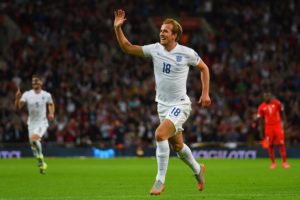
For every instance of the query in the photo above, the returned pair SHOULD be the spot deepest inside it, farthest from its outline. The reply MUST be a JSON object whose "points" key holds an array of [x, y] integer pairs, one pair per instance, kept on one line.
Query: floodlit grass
{"points": [[131, 178]]}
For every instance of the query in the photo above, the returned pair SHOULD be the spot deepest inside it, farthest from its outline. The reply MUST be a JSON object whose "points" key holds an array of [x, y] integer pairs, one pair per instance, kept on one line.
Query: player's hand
{"points": [[264, 143], [204, 101], [50, 117], [18, 94], [119, 18]]}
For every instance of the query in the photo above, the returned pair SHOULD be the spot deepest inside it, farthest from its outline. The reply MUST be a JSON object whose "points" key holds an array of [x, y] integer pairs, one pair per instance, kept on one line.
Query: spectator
{"points": [[246, 44]]}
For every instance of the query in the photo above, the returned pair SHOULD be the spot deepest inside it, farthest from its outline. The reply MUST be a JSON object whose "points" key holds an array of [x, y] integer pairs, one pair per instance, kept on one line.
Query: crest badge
{"points": [[178, 58]]}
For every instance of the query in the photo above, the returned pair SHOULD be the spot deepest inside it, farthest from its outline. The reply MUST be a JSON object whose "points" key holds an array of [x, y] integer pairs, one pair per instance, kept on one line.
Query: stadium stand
{"points": [[105, 97]]}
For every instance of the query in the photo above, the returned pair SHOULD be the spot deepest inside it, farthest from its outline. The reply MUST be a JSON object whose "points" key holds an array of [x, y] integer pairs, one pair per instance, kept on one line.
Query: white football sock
{"points": [[185, 154], [36, 147], [33, 148], [162, 156]]}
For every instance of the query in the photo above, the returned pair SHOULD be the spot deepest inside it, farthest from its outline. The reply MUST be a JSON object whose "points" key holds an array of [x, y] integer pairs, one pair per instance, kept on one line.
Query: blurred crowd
{"points": [[104, 97]]}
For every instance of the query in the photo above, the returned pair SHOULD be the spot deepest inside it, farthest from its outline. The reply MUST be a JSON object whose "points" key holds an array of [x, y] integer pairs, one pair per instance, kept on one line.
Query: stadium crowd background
{"points": [[105, 97]]}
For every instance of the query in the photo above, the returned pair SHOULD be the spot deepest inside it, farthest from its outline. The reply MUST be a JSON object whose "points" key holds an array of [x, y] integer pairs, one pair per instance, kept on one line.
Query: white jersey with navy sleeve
{"points": [[37, 106], [171, 70]]}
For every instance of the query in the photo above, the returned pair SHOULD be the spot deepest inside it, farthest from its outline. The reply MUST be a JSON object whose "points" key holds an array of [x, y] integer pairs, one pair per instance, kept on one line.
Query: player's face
{"points": [[267, 96], [166, 35], [36, 83]]}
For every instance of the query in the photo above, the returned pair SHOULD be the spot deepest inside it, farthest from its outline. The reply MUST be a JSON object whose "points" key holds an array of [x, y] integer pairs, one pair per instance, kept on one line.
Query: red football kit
{"points": [[270, 112]]}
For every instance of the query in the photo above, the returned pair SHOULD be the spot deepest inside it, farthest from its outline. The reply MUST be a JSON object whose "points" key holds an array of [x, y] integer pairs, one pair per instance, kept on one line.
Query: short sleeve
{"points": [[24, 97], [279, 105], [193, 58], [49, 98], [148, 50]]}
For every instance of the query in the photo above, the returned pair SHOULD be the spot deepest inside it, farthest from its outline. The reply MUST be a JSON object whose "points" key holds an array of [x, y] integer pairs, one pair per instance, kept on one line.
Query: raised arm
{"points": [[19, 104], [125, 45], [204, 99]]}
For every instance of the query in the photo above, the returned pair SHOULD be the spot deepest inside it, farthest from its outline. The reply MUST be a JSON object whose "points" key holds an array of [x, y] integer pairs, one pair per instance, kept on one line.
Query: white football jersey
{"points": [[171, 71], [37, 106]]}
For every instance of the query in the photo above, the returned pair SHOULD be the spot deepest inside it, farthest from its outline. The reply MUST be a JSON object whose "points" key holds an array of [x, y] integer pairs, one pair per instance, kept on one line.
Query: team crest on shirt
{"points": [[178, 58]]}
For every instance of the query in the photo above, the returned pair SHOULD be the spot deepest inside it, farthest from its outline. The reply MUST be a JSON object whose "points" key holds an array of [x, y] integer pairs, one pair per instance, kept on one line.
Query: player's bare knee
{"points": [[177, 147], [160, 135], [34, 137]]}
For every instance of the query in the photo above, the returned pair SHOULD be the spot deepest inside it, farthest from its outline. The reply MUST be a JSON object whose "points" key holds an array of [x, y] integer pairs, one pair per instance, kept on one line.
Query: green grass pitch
{"points": [[131, 178]]}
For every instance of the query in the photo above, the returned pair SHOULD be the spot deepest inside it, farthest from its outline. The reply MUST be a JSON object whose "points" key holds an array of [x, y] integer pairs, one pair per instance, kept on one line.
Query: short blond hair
{"points": [[177, 28]]}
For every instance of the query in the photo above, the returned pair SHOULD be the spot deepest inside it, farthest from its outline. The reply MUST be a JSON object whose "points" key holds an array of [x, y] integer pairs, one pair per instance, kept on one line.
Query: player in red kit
{"points": [[270, 113]]}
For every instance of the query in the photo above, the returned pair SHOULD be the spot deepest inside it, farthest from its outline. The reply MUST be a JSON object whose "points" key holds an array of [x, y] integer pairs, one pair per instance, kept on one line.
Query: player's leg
{"points": [[272, 156], [163, 132], [282, 149], [185, 154], [36, 146], [33, 148], [178, 116], [36, 133], [270, 139]]}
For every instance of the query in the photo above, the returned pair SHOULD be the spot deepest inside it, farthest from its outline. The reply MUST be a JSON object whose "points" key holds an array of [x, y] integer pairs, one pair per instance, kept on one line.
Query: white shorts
{"points": [[176, 114], [39, 129]]}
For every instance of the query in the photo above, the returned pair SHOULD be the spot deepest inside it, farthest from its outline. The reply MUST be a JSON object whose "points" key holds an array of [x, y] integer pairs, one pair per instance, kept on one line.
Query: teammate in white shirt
{"points": [[171, 65], [37, 101]]}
